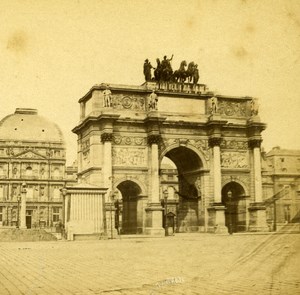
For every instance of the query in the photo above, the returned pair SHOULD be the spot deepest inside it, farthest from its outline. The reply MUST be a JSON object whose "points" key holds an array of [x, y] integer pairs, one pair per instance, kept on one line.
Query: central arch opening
{"points": [[181, 176]]}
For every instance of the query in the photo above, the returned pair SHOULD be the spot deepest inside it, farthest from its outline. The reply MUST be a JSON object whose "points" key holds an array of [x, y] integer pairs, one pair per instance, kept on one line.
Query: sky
{"points": [[53, 52]]}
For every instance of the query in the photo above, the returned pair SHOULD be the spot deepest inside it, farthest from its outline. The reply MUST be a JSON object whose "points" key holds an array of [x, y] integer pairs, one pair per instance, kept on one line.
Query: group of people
{"points": [[163, 71]]}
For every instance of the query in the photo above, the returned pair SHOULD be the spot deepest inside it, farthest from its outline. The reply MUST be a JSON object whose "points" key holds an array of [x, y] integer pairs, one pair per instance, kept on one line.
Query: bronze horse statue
{"points": [[192, 73], [180, 74], [164, 73]]}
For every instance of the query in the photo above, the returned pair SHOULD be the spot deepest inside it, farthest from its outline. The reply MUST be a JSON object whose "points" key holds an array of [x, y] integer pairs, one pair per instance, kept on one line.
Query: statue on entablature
{"points": [[107, 97], [153, 100], [147, 70], [214, 105]]}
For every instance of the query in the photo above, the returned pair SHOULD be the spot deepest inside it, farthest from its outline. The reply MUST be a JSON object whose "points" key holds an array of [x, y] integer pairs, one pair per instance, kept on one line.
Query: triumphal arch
{"points": [[214, 141]]}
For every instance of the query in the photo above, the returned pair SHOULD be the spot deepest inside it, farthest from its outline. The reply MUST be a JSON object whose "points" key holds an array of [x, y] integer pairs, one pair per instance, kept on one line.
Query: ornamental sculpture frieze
{"points": [[129, 157], [229, 108], [129, 140], [234, 145], [233, 109], [234, 160], [132, 102]]}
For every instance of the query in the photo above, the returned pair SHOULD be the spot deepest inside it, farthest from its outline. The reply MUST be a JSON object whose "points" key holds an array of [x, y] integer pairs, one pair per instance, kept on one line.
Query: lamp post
{"points": [[166, 211], [112, 198], [229, 194], [18, 211]]}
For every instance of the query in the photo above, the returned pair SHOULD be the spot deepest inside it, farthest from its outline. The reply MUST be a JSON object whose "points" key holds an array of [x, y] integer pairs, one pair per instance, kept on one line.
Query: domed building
{"points": [[32, 153]]}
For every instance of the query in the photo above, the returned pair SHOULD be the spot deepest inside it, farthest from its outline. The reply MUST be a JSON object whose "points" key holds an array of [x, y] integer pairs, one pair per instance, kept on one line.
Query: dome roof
{"points": [[27, 125]]}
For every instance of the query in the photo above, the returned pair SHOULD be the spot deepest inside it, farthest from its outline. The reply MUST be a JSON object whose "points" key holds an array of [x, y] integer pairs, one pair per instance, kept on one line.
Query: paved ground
{"points": [[183, 264]]}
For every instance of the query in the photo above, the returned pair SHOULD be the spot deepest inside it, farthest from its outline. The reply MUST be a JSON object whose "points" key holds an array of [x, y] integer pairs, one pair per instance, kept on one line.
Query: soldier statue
{"points": [[107, 97], [147, 70], [214, 105], [153, 99]]}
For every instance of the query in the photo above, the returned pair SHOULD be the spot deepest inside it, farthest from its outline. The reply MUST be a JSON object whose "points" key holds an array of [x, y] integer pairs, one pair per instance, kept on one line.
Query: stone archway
{"points": [[127, 210], [189, 209], [234, 199]]}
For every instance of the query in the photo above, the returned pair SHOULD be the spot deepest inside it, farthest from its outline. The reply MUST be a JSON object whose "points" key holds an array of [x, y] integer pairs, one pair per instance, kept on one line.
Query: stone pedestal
{"points": [[258, 220], [154, 215], [216, 222]]}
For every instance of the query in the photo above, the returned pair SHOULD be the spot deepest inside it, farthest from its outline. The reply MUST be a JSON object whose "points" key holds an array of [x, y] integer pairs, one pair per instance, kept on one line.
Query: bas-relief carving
{"points": [[129, 140], [133, 102], [123, 156], [234, 144], [234, 160], [201, 145], [234, 109]]}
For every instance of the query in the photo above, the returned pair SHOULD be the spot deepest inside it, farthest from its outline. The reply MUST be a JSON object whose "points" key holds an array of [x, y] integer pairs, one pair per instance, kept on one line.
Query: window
{"points": [[56, 192], [1, 214], [1, 192], [42, 191], [1, 171], [56, 173], [29, 192], [28, 172], [55, 211]]}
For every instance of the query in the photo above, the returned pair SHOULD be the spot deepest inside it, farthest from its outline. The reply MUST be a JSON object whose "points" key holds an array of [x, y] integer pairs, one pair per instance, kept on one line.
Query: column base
{"points": [[154, 218], [151, 231], [216, 222], [258, 218]]}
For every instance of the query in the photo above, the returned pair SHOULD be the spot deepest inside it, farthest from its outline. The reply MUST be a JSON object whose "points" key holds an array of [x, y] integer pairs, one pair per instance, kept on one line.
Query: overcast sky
{"points": [[53, 52]]}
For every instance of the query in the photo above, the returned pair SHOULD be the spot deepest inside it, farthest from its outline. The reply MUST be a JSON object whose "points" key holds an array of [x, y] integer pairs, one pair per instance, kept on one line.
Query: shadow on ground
{"points": [[25, 235]]}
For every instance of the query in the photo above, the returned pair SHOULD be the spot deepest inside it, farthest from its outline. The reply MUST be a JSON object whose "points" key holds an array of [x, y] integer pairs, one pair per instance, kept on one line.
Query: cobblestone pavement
{"points": [[182, 264]]}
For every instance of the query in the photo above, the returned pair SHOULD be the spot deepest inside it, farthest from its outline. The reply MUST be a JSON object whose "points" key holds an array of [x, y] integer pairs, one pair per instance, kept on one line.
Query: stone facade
{"points": [[32, 152], [281, 186], [214, 142]]}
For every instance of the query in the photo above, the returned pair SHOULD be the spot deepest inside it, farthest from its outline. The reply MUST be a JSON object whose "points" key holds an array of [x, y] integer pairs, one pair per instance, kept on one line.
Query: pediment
{"points": [[30, 155]]}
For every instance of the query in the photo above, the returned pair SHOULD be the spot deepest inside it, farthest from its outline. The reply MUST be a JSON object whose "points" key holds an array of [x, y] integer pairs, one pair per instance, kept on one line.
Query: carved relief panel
{"points": [[234, 160], [234, 108], [132, 102], [127, 156]]}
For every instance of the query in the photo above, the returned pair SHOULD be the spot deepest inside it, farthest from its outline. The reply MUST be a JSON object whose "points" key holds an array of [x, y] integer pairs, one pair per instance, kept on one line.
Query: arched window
{"points": [[56, 173], [28, 172]]}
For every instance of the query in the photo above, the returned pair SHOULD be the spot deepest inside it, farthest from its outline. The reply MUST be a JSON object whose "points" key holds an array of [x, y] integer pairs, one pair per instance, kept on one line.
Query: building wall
{"points": [[281, 178], [39, 164]]}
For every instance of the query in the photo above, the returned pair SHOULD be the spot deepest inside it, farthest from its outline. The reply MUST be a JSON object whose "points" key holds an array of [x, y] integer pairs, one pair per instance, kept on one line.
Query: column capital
{"points": [[214, 141], [154, 139], [106, 137], [254, 143]]}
